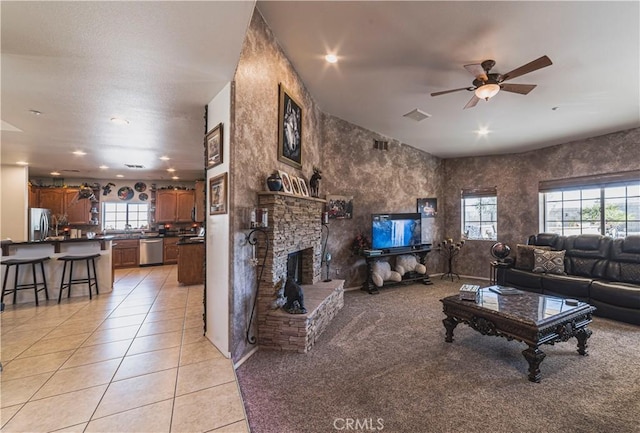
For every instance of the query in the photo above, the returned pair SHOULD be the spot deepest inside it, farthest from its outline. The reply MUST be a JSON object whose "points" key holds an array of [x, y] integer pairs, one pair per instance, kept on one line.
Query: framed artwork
{"points": [[213, 144], [340, 206], [286, 182], [428, 207], [289, 129], [304, 191], [218, 194], [295, 185]]}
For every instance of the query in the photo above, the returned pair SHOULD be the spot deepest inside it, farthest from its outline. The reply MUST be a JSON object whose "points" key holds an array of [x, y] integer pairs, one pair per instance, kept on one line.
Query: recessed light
{"points": [[119, 121], [165, 158], [482, 131], [171, 170], [175, 178], [331, 58], [79, 153], [35, 112], [55, 173], [103, 167], [22, 163], [119, 175]]}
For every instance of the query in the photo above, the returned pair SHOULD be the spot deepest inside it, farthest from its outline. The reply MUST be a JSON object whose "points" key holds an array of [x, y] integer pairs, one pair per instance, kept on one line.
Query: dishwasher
{"points": [[151, 251]]}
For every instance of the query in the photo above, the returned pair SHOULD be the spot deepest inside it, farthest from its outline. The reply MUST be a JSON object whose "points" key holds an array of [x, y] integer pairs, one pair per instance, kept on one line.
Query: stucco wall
{"points": [[516, 177]]}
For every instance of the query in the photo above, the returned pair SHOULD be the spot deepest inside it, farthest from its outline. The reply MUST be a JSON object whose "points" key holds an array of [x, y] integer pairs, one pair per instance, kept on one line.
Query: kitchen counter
{"points": [[7, 245]]}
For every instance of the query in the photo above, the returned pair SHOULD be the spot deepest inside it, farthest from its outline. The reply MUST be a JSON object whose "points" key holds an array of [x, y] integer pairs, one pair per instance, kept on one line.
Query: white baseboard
{"points": [[245, 357]]}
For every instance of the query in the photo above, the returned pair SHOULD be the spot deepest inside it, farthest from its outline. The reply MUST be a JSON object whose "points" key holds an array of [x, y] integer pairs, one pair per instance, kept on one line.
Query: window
{"points": [[480, 214], [612, 210], [116, 216]]}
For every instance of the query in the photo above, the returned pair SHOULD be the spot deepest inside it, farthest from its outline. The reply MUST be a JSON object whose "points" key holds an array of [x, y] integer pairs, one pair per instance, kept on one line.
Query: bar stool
{"points": [[31, 285], [89, 280]]}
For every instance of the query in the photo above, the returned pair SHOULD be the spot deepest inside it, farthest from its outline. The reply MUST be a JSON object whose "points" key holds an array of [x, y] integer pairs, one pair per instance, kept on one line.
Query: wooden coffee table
{"points": [[527, 317]]}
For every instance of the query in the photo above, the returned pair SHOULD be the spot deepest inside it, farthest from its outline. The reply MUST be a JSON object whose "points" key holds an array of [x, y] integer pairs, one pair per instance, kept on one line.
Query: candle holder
{"points": [[449, 250]]}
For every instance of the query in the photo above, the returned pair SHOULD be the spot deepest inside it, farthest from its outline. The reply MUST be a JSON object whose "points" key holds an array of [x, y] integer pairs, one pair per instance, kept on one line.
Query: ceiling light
{"points": [[79, 153], [119, 175], [482, 131], [22, 163], [103, 167], [171, 170], [55, 173], [331, 58], [175, 178], [119, 121], [487, 91], [165, 158]]}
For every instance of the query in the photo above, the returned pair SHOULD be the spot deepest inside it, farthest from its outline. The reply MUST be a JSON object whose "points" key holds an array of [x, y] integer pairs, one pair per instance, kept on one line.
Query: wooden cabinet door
{"points": [[200, 200], [52, 198], [33, 197], [78, 211], [184, 208], [191, 264], [125, 254], [171, 251], [166, 203]]}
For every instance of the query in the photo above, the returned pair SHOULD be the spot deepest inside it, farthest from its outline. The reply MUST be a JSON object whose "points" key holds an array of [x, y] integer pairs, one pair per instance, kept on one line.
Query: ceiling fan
{"points": [[487, 85]]}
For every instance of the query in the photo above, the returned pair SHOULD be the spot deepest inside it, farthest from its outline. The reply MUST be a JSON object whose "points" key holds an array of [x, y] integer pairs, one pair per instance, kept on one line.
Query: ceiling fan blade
{"points": [[522, 89], [449, 91], [477, 71], [540, 63], [472, 102]]}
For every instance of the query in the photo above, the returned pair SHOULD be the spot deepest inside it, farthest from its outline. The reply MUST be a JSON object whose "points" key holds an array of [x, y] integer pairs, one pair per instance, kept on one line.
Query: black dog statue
{"points": [[295, 298], [314, 182]]}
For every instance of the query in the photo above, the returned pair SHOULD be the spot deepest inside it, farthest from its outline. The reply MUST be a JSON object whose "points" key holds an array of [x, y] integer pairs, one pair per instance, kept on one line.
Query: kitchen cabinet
{"points": [[174, 205], [33, 196], [126, 253], [52, 198], [191, 263], [78, 211], [171, 252], [200, 200]]}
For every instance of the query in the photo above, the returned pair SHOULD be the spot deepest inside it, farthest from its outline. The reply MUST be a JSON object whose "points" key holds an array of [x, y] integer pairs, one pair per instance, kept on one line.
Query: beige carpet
{"points": [[383, 365]]}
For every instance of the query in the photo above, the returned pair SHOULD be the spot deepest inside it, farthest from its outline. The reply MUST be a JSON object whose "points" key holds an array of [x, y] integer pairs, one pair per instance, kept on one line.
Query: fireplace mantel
{"points": [[284, 194]]}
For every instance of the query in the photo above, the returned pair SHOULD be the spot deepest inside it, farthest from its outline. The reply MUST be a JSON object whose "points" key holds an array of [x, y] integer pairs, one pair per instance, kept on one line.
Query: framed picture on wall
{"points": [[289, 129], [218, 194], [340, 206], [213, 145], [428, 207]]}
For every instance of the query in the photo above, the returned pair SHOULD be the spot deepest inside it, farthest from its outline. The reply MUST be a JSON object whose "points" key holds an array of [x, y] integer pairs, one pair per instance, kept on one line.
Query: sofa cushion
{"points": [[587, 255], [520, 279], [620, 294], [524, 256], [567, 286], [624, 264], [551, 262]]}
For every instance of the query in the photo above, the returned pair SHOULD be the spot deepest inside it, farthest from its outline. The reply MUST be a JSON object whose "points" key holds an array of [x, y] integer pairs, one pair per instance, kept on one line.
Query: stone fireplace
{"points": [[295, 246]]}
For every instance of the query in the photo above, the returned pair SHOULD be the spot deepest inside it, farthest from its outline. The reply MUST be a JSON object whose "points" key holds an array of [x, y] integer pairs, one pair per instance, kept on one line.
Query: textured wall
{"points": [[516, 177], [254, 145], [379, 181]]}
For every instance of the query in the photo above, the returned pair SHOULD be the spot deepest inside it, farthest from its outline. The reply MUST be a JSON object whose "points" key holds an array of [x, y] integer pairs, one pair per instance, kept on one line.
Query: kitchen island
{"points": [[53, 268], [191, 260]]}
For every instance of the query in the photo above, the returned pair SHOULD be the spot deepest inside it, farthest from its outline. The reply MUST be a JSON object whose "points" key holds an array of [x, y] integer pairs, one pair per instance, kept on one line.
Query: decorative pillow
{"points": [[551, 262], [524, 256]]}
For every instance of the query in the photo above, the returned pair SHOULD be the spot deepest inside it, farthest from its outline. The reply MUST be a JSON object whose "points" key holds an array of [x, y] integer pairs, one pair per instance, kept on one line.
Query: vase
{"points": [[274, 182]]}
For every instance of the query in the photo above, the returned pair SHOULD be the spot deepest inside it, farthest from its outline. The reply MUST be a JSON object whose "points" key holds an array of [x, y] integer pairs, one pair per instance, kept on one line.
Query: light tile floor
{"points": [[133, 360]]}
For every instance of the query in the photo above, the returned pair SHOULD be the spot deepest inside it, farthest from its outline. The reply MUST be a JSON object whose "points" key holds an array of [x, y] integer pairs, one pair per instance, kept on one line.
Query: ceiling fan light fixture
{"points": [[487, 91]]}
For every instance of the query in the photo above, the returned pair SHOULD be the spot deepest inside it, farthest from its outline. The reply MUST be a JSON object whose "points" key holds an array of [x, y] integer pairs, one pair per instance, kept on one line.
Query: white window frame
{"points": [[486, 202], [125, 216]]}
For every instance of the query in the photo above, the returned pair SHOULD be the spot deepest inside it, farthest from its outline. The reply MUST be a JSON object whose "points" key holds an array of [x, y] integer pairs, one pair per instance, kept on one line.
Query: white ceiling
{"points": [[159, 64]]}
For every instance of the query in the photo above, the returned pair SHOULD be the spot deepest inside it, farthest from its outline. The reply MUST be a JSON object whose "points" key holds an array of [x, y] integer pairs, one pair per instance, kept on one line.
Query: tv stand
{"points": [[421, 252]]}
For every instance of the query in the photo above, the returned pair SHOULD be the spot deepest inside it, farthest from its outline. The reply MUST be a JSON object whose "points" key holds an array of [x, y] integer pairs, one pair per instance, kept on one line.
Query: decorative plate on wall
{"points": [[143, 196], [125, 193], [140, 186]]}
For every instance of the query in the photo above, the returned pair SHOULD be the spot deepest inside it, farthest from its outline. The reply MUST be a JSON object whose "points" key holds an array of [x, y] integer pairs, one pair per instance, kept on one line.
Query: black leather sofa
{"points": [[599, 270]]}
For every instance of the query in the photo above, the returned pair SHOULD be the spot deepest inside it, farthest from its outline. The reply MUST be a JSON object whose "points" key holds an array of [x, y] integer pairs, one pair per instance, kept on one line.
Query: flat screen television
{"points": [[395, 230]]}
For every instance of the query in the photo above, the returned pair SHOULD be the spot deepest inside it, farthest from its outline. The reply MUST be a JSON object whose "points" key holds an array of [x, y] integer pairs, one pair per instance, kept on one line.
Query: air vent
{"points": [[135, 166], [417, 115], [71, 171], [380, 145]]}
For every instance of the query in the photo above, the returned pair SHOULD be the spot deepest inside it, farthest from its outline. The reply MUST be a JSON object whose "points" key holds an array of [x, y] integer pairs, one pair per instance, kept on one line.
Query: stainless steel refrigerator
{"points": [[39, 222]]}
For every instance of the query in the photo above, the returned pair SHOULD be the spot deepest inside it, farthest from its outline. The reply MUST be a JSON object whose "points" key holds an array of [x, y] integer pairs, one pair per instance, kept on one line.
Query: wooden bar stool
{"points": [[89, 280], [33, 285]]}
